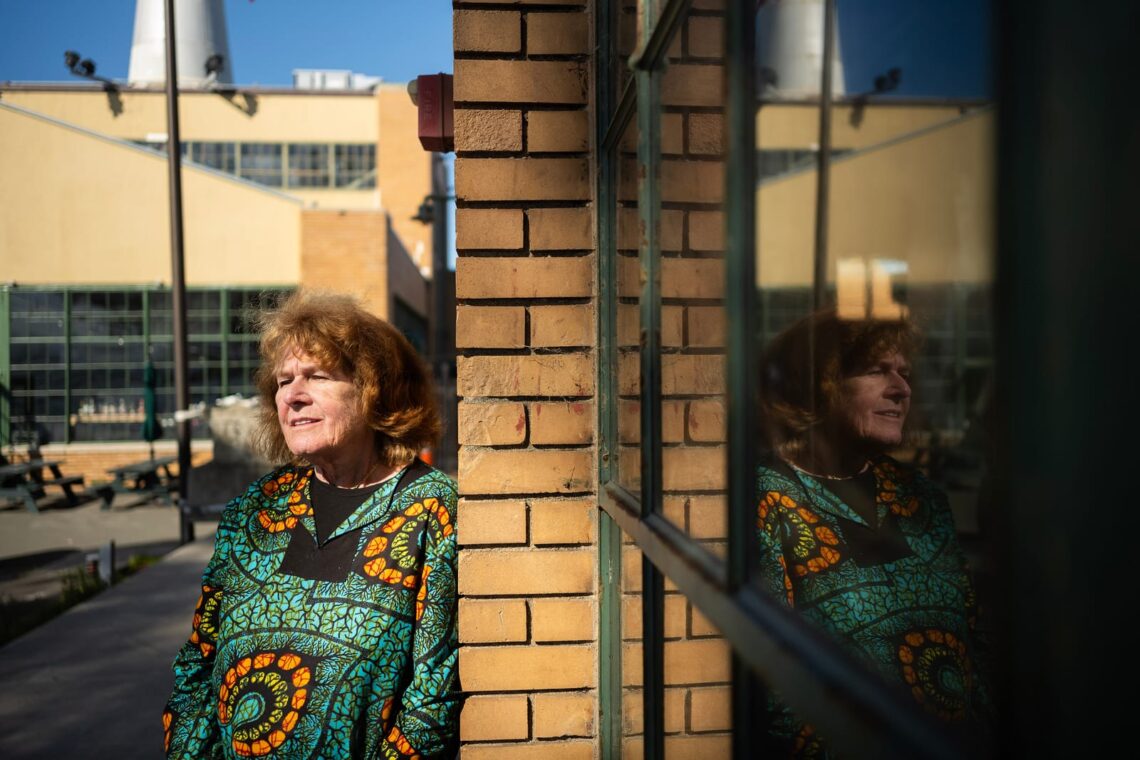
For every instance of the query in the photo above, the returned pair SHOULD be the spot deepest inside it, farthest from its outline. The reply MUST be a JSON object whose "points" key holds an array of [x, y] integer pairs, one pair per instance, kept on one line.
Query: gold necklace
{"points": [[366, 482], [862, 470]]}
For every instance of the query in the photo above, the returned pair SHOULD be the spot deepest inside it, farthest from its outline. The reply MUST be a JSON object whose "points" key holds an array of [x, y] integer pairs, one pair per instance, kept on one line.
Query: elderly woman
{"points": [[326, 625], [858, 543]]}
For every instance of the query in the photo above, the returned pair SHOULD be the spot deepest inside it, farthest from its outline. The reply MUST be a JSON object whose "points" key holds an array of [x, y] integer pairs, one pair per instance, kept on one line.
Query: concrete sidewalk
{"points": [[92, 682]]}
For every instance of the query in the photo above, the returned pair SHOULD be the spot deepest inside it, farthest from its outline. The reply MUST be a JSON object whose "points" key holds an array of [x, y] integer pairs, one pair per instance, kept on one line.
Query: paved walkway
{"points": [[91, 682]]}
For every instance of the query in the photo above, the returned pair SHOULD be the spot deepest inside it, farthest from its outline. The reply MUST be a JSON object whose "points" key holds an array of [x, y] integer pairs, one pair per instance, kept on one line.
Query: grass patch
{"points": [[18, 616]]}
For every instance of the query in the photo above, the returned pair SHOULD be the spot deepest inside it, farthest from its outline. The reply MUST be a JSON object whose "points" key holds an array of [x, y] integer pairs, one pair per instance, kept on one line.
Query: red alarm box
{"points": [[436, 107]]}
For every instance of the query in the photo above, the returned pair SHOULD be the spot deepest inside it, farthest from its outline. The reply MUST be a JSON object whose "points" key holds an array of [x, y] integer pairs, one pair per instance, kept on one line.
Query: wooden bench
{"points": [[25, 481], [150, 477], [103, 491]]}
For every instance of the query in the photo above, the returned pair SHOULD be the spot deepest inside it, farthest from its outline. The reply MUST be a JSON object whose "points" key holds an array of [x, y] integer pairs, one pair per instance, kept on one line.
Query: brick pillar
{"points": [[525, 334]]}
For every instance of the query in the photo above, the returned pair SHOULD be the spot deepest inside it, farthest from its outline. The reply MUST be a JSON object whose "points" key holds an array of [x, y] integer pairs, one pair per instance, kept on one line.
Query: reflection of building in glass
{"points": [[282, 187], [910, 182]]}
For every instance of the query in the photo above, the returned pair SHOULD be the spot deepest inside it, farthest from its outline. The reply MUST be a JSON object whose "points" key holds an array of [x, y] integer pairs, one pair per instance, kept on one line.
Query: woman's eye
{"points": [[282, 382]]}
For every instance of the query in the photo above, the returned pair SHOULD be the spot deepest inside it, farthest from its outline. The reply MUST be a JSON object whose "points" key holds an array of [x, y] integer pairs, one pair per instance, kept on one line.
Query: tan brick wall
{"points": [[347, 251], [693, 409], [526, 334], [527, 326]]}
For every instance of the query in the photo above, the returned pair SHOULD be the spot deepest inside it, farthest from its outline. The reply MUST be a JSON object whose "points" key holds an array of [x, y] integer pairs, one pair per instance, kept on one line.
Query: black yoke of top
{"points": [[325, 559]]}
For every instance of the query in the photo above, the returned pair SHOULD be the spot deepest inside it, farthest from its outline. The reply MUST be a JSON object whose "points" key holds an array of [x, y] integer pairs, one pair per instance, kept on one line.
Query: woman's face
{"points": [[319, 410], [873, 403]]}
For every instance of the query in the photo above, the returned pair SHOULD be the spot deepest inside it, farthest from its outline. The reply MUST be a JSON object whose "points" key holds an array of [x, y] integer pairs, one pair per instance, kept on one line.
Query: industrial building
{"points": [[318, 184]]}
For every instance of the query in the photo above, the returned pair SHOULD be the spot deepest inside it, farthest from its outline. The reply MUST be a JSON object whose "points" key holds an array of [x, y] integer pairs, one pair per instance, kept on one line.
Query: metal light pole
{"points": [[823, 175], [177, 278]]}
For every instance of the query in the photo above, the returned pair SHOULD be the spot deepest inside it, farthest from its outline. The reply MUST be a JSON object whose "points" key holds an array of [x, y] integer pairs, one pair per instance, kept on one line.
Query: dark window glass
{"points": [[261, 163], [308, 165], [356, 166]]}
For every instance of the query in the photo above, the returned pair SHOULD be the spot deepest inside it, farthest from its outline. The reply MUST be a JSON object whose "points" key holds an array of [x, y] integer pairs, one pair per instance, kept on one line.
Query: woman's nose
{"points": [[294, 393], [900, 386]]}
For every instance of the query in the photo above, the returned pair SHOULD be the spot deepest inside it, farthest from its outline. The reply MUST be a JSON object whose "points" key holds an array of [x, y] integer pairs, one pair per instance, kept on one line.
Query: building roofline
{"points": [[123, 87]]}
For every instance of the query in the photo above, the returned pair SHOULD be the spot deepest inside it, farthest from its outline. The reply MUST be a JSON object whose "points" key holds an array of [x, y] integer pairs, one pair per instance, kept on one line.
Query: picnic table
{"points": [[25, 481], [150, 477]]}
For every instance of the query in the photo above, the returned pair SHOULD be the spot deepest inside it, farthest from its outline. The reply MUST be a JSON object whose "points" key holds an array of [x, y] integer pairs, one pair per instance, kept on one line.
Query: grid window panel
{"points": [[216, 155], [262, 163], [308, 165], [356, 166]]}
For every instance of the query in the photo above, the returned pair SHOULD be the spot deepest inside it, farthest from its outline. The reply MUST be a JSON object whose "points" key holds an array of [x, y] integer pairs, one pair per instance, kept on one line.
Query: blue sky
{"points": [[942, 46], [393, 39]]}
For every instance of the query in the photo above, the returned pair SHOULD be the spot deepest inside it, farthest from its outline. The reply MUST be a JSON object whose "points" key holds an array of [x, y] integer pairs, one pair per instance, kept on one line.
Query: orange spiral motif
{"points": [[271, 519], [937, 668], [391, 553], [264, 696]]}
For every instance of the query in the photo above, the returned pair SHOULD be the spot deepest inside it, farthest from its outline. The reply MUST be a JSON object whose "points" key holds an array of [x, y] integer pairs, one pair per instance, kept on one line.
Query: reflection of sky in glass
{"points": [[942, 46]]}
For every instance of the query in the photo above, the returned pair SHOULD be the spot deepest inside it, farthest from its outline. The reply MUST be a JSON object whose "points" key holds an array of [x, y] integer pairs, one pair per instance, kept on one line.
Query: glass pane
{"points": [[625, 41], [874, 332], [628, 314], [632, 696], [261, 163], [308, 165], [216, 155], [692, 176], [356, 166], [698, 683]]}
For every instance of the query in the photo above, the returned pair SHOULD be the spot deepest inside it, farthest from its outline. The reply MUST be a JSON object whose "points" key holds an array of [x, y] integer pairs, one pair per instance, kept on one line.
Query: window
{"points": [[308, 165], [356, 166], [261, 163], [349, 166], [216, 155], [77, 357], [723, 221]]}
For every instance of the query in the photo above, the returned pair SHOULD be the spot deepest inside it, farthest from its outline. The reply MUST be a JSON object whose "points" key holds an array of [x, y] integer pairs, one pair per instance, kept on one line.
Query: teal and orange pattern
{"points": [[912, 618], [283, 666]]}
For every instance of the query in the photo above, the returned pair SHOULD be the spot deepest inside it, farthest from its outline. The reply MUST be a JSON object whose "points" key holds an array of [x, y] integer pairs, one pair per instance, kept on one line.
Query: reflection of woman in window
{"points": [[858, 543]]}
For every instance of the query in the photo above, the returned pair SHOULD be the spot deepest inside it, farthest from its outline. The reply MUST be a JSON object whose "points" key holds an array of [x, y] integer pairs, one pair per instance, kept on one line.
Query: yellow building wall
{"points": [[252, 115], [796, 125], [76, 208], [287, 116], [403, 170], [347, 252], [925, 199]]}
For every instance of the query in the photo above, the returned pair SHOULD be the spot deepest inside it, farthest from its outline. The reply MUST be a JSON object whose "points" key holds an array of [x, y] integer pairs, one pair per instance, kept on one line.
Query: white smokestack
{"points": [[201, 29], [790, 49]]}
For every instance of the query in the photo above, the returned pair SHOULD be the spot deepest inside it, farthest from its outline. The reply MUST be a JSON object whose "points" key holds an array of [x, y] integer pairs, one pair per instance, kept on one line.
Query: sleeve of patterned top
{"points": [[428, 719], [190, 719]]}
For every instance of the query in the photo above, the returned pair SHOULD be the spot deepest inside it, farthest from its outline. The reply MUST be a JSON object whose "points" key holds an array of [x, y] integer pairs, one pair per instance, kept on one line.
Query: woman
{"points": [[326, 625], [858, 543]]}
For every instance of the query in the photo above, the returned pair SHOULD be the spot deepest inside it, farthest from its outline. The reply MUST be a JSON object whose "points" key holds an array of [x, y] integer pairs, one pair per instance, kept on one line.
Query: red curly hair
{"points": [[803, 367], [396, 394]]}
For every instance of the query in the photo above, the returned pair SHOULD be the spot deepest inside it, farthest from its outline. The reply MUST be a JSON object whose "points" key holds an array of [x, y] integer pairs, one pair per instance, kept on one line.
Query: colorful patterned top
{"points": [[296, 659], [896, 594]]}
